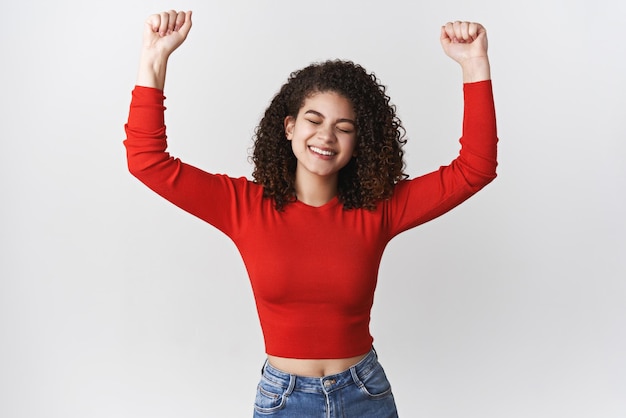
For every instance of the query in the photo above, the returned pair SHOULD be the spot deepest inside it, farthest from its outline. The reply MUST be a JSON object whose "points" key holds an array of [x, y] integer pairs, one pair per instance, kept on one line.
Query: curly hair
{"points": [[378, 162]]}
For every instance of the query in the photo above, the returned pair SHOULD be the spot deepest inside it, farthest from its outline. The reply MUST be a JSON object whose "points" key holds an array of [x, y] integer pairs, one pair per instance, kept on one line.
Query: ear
{"points": [[289, 124]]}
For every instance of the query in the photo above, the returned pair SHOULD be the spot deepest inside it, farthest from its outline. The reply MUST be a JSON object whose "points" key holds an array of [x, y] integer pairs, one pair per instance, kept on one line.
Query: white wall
{"points": [[113, 303]]}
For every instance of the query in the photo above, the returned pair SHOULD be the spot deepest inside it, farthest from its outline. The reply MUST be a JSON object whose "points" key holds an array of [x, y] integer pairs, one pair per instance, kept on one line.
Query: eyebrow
{"points": [[316, 113]]}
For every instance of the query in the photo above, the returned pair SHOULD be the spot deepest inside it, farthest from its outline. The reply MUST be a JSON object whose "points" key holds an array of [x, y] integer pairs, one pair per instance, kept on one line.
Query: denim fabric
{"points": [[362, 391]]}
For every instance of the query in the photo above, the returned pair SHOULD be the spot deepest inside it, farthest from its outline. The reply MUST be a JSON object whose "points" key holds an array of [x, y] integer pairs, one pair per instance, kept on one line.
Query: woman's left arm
{"points": [[426, 197]]}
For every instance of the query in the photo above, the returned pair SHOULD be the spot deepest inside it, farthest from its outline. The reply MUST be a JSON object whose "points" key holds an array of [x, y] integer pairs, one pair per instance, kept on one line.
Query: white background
{"points": [[114, 303]]}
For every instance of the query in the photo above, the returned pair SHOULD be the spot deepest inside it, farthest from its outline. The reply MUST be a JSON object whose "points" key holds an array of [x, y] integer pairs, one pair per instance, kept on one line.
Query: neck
{"points": [[316, 191]]}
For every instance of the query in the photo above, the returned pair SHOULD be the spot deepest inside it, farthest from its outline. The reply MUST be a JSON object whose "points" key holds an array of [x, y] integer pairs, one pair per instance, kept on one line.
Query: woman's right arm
{"points": [[208, 196]]}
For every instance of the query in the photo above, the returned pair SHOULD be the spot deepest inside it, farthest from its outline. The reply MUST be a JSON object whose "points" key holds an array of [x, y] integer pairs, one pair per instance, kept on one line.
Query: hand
{"points": [[464, 40], [163, 33], [466, 43], [166, 31]]}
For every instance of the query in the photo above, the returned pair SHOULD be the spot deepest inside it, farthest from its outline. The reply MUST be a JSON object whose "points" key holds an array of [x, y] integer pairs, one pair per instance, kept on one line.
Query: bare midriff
{"points": [[314, 367]]}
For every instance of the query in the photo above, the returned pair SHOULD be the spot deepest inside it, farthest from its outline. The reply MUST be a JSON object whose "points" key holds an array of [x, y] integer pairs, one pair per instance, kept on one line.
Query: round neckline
{"points": [[328, 205]]}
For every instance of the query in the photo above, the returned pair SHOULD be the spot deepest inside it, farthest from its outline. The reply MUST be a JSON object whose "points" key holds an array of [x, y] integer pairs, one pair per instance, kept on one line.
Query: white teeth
{"points": [[322, 152]]}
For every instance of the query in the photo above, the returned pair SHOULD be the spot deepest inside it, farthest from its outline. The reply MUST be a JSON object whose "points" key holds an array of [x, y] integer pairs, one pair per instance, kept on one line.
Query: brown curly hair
{"points": [[378, 164]]}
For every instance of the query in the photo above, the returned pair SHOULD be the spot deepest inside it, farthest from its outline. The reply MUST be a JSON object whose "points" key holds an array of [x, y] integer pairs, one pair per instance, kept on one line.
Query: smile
{"points": [[320, 151]]}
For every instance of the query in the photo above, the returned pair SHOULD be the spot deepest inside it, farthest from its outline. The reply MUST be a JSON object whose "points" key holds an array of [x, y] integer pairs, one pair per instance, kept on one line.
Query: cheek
{"points": [[297, 146], [350, 145]]}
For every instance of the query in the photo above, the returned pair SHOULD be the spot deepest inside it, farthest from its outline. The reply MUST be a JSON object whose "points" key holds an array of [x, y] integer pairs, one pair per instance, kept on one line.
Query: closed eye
{"points": [[345, 129]]}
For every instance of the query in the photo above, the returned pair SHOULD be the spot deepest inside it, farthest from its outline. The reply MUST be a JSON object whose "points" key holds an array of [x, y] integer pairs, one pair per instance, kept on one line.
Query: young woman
{"points": [[329, 192]]}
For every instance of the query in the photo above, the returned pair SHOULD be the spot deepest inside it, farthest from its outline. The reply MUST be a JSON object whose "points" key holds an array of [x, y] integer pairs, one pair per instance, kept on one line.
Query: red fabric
{"points": [[313, 270]]}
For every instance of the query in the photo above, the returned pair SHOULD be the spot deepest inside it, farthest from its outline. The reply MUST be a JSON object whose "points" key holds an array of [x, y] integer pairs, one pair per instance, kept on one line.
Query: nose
{"points": [[326, 132]]}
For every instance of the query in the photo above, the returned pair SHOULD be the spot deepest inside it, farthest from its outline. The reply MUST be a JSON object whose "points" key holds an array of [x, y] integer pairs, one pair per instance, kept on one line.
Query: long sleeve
{"points": [[216, 199], [424, 198], [478, 155]]}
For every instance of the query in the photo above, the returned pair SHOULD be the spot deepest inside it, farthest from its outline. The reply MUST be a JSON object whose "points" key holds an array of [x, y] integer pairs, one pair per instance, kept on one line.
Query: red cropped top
{"points": [[313, 270]]}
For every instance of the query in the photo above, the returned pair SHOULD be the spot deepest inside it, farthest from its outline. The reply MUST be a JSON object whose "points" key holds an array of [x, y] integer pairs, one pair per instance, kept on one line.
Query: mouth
{"points": [[319, 151]]}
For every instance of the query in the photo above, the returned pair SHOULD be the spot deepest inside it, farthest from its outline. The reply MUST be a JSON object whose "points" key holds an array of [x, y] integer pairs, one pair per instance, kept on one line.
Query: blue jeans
{"points": [[362, 391]]}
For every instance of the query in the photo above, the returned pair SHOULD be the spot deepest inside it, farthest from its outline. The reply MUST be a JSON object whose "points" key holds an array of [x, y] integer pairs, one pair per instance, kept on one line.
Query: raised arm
{"points": [[433, 194], [208, 196], [163, 33]]}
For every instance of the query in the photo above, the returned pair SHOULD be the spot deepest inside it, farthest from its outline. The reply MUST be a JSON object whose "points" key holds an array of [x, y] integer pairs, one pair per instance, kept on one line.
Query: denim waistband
{"points": [[325, 384]]}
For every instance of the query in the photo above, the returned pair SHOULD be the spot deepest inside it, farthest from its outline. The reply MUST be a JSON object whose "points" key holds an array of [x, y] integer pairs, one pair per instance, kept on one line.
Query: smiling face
{"points": [[323, 137]]}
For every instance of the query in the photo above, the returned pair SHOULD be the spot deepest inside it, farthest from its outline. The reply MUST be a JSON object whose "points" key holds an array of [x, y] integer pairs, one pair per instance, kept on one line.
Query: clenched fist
{"points": [[166, 31], [466, 43], [162, 34]]}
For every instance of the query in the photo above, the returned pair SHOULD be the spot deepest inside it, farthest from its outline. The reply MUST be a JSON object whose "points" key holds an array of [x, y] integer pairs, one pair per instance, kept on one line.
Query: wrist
{"points": [[152, 69], [476, 69]]}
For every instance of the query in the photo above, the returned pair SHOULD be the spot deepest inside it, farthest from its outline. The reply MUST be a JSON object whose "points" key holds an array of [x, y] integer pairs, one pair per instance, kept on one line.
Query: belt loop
{"points": [[292, 384], [355, 377]]}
